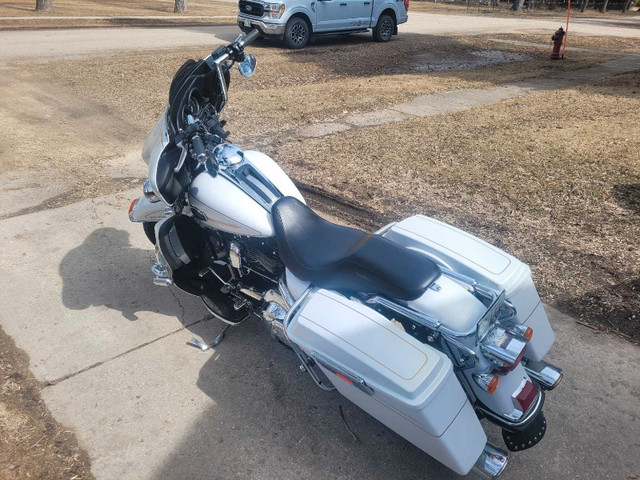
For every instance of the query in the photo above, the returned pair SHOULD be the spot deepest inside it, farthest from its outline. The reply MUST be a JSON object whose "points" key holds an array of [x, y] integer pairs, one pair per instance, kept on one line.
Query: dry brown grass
{"points": [[32, 444], [553, 178], [335, 76], [79, 8]]}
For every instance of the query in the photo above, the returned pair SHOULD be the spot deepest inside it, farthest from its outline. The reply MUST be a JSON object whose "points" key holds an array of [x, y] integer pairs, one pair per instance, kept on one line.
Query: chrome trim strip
{"points": [[533, 411]]}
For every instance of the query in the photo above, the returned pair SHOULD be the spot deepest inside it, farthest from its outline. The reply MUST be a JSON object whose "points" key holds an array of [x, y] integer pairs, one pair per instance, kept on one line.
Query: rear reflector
{"points": [[406, 5], [344, 378], [527, 395]]}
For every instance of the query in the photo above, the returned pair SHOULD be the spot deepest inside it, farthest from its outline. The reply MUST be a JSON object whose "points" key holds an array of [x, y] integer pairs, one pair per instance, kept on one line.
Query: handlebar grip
{"points": [[198, 148], [251, 36]]}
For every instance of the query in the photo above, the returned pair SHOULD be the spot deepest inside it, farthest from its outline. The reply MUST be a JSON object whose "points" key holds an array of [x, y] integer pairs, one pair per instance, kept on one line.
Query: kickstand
{"points": [[220, 337], [195, 342]]}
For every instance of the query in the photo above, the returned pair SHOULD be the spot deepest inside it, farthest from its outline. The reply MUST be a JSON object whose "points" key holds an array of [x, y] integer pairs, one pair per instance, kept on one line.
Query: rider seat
{"points": [[342, 258]]}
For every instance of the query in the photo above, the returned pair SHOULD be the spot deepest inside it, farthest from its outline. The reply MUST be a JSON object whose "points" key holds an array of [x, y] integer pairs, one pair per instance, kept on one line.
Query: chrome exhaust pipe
{"points": [[545, 374], [491, 462]]}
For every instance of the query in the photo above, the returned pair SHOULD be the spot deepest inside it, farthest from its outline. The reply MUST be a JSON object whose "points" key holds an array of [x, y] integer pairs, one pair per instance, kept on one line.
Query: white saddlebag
{"points": [[408, 386], [488, 265]]}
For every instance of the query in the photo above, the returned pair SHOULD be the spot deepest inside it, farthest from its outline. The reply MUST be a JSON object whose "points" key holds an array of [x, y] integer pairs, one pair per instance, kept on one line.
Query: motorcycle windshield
{"points": [[194, 86]]}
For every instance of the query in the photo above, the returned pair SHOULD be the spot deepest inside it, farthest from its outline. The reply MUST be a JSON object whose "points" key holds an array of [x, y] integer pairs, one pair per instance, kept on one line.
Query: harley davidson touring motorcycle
{"points": [[424, 326]]}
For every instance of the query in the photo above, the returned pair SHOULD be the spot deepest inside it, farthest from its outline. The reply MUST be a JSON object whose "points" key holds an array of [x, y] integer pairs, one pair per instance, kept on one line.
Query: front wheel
{"points": [[383, 30], [150, 231], [296, 33]]}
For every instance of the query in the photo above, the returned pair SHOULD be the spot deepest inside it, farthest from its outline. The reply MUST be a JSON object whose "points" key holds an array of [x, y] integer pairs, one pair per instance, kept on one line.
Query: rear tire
{"points": [[383, 31], [296, 33]]}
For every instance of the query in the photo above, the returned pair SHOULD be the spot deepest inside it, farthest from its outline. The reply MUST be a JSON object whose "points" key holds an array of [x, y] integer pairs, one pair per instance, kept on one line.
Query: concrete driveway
{"points": [[77, 295], [30, 45]]}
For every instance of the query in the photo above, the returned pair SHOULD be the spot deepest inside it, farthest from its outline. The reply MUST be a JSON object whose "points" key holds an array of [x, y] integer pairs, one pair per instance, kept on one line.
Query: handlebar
{"points": [[250, 37], [198, 148]]}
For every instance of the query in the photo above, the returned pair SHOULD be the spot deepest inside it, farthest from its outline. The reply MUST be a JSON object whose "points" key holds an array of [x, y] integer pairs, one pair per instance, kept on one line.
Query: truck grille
{"points": [[251, 8]]}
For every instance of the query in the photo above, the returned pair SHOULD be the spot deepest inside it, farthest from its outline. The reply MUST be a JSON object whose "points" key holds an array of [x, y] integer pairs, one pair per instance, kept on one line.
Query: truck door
{"points": [[332, 15], [360, 12]]}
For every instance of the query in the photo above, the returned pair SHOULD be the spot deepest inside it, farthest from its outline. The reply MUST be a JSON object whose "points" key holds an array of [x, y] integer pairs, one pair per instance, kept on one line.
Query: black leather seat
{"points": [[342, 258]]}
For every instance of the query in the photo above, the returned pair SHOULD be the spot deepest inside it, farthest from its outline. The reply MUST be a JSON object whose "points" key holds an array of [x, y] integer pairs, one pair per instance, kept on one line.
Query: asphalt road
{"points": [[30, 45]]}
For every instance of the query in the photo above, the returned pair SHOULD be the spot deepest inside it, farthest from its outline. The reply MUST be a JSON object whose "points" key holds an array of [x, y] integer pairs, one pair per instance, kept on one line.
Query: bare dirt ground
{"points": [[32, 444], [553, 178]]}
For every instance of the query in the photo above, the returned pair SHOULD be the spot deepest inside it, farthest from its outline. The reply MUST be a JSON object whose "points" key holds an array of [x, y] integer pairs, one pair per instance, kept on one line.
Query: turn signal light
{"points": [[489, 383], [132, 206], [528, 333]]}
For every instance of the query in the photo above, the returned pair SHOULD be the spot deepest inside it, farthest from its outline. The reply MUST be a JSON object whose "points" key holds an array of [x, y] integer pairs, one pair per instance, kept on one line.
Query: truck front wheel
{"points": [[384, 29], [296, 33]]}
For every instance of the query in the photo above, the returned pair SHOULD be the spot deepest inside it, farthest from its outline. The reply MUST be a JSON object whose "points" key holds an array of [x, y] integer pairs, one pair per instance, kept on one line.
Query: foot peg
{"points": [[163, 278]]}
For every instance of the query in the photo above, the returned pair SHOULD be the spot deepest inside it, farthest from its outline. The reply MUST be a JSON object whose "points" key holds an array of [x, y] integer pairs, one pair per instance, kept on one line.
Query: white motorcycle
{"points": [[425, 327]]}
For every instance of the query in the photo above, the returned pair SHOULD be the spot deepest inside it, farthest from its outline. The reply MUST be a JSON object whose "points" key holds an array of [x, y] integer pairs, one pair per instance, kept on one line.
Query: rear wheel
{"points": [[296, 33], [384, 29]]}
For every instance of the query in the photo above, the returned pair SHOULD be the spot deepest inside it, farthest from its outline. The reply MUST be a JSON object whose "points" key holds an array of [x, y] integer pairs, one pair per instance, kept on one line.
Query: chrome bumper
{"points": [[276, 29]]}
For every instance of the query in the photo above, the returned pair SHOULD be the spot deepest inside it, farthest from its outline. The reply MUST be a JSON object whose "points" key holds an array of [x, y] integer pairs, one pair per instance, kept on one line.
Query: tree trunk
{"points": [[604, 6], [180, 6], [517, 5], [583, 5], [627, 6], [43, 6]]}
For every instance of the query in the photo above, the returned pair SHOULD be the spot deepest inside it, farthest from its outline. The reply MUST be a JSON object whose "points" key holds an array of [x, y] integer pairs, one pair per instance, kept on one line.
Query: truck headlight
{"points": [[273, 10]]}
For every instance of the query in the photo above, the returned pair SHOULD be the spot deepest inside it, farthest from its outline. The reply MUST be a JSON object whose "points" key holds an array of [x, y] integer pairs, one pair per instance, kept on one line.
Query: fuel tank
{"points": [[222, 205]]}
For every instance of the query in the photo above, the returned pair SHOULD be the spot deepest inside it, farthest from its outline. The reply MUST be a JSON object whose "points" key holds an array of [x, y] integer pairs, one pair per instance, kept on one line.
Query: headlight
{"points": [[273, 10]]}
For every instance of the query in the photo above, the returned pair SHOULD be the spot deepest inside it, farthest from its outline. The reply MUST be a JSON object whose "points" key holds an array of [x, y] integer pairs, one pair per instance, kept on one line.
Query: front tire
{"points": [[296, 33], [150, 231], [383, 31]]}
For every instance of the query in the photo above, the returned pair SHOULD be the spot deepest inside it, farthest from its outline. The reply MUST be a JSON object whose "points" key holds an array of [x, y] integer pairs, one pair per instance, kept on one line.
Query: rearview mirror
{"points": [[247, 66]]}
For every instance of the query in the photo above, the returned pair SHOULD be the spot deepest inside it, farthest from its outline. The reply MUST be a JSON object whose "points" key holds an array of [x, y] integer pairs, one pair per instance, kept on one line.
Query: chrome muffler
{"points": [[491, 462], [543, 373]]}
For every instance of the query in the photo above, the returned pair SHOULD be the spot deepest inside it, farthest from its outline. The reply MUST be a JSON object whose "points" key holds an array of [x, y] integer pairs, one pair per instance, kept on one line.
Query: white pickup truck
{"points": [[296, 21]]}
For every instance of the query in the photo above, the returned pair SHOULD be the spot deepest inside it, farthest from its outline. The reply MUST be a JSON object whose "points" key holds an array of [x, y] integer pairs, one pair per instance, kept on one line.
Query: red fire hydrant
{"points": [[557, 39]]}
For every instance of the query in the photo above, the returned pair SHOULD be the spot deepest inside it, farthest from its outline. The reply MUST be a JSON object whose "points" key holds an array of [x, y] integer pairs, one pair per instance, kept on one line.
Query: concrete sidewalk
{"points": [[77, 296], [458, 100]]}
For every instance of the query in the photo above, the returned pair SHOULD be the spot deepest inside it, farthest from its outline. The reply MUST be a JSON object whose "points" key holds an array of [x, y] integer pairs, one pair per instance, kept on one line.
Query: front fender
{"points": [[142, 210]]}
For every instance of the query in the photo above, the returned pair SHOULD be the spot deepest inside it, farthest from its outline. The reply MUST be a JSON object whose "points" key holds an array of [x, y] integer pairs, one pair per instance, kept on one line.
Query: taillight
{"points": [[504, 348], [527, 394], [406, 5]]}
